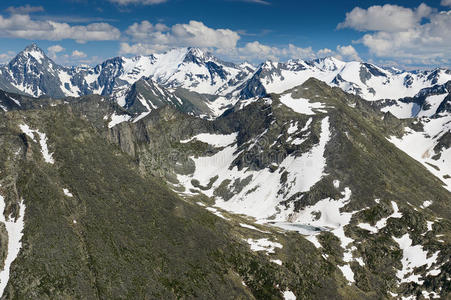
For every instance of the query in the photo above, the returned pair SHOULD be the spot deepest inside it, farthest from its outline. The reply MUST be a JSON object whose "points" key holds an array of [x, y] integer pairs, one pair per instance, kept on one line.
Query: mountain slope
{"points": [[428, 141], [322, 167], [97, 226]]}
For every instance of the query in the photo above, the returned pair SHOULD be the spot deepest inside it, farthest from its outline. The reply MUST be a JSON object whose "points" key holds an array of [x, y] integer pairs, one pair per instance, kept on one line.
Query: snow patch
{"points": [[426, 203], [48, 158], [263, 245], [413, 257], [14, 229], [216, 140], [382, 222], [216, 212], [44, 149], [301, 105], [252, 227], [347, 273], [117, 119], [67, 193], [289, 295]]}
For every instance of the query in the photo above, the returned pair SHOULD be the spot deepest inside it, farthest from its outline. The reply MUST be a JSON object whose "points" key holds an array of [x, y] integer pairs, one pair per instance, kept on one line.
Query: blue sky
{"points": [[401, 33]]}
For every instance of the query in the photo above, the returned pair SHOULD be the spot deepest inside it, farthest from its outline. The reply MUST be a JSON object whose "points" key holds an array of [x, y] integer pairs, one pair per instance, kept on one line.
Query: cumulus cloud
{"points": [[446, 2], [194, 34], [79, 54], [255, 51], [22, 26], [26, 9], [324, 52], [390, 18], [426, 41], [138, 2], [347, 53], [151, 38], [422, 37], [55, 49], [141, 48]]}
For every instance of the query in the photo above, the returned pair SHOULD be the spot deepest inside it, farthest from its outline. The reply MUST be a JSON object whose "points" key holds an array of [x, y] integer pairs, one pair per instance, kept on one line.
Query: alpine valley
{"points": [[179, 176]]}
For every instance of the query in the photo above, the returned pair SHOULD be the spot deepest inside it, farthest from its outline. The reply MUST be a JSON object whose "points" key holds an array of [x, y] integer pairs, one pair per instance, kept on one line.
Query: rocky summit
{"points": [[179, 175]]}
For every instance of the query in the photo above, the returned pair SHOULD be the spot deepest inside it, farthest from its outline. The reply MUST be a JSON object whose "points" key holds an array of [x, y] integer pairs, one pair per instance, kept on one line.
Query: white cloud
{"points": [[75, 57], [258, 51], [161, 37], [55, 49], [324, 52], [390, 18], [446, 2], [26, 9], [347, 53], [427, 41], [22, 26], [79, 54], [140, 2], [411, 37], [141, 48]]}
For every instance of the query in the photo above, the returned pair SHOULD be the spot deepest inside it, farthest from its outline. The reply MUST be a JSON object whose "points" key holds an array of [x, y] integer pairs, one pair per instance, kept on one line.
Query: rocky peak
{"points": [[328, 63], [32, 51], [196, 55]]}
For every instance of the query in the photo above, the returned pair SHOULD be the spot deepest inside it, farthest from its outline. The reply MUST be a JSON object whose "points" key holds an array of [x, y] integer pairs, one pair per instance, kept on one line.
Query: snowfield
{"points": [[259, 198], [420, 146], [263, 245], [118, 119], [301, 105]]}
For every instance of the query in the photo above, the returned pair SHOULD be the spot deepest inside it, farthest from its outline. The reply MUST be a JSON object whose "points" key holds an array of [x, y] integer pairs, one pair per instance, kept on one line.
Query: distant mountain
{"points": [[366, 80], [31, 72]]}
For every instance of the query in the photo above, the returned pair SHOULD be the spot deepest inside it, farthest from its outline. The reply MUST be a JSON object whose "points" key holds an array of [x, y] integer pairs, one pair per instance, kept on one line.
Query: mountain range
{"points": [[315, 179]]}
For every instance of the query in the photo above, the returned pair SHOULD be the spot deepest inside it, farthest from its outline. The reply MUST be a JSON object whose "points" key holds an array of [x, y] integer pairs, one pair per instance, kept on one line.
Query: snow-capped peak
{"points": [[34, 51], [329, 63], [197, 52]]}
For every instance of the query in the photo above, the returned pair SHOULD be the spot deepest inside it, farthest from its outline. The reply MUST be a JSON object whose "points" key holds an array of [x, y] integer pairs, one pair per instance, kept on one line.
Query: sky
{"points": [[406, 34]]}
